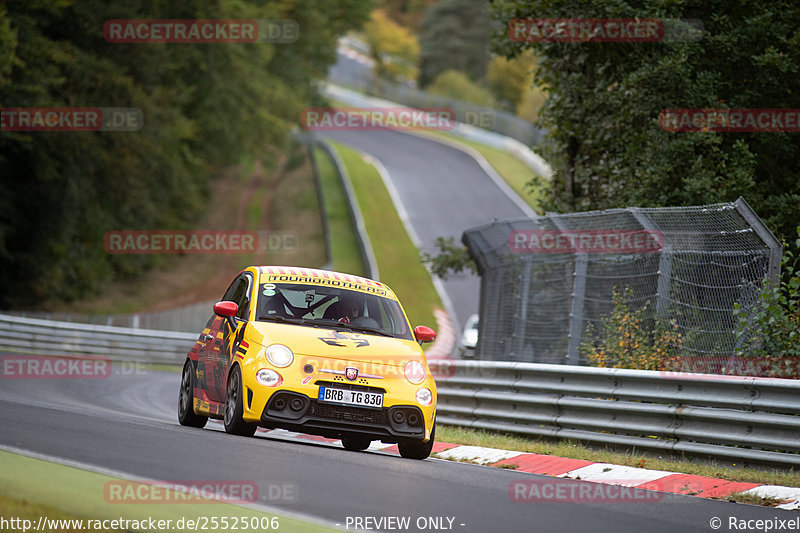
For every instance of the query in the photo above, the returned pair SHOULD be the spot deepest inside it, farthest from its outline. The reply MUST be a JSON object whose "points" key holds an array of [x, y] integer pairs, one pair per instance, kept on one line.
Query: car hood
{"points": [[337, 344]]}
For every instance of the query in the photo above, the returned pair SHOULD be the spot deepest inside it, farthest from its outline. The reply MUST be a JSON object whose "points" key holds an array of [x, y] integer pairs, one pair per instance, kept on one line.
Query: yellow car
{"points": [[316, 352]]}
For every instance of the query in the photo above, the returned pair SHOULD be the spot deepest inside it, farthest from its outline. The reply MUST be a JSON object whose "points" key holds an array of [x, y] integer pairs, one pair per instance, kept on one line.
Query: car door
{"points": [[223, 338]]}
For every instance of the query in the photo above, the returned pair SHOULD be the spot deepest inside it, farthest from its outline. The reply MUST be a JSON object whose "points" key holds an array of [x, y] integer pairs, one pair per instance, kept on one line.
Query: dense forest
{"points": [[605, 99], [204, 107]]}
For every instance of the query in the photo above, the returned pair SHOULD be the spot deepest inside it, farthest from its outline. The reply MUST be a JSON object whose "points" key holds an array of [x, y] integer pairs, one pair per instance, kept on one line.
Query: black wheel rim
{"points": [[186, 390], [233, 396]]}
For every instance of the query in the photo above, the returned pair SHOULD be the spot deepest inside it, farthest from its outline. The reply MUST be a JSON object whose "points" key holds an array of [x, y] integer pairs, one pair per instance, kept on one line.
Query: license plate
{"points": [[350, 397]]}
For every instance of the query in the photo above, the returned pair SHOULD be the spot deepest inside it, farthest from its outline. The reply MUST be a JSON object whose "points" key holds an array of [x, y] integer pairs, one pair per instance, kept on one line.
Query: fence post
{"points": [[763, 232], [664, 262], [578, 299]]}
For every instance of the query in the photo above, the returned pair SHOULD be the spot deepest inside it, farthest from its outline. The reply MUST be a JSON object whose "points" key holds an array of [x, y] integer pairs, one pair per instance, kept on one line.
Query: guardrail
{"points": [[46, 337], [741, 418]]}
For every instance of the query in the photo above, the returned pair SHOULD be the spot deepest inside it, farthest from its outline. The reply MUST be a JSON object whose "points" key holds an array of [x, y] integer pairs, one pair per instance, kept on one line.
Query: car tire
{"points": [[417, 449], [186, 414], [355, 444], [234, 424]]}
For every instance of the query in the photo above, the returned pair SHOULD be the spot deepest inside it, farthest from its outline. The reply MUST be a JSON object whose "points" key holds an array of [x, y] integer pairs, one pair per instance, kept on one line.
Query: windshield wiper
{"points": [[364, 329], [287, 320]]}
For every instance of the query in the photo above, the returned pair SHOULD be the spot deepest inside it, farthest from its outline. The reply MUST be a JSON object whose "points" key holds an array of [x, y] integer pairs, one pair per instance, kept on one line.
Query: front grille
{"points": [[348, 414]]}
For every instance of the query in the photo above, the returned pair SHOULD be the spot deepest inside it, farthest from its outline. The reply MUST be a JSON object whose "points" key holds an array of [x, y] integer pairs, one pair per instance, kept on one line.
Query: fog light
{"points": [[296, 404], [268, 377], [424, 396], [413, 419], [398, 416], [280, 404]]}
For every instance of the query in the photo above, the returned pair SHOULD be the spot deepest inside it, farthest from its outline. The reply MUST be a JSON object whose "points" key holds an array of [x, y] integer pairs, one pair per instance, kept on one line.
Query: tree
{"points": [[604, 100], [455, 35], [457, 85], [205, 106], [407, 13], [393, 47], [510, 79]]}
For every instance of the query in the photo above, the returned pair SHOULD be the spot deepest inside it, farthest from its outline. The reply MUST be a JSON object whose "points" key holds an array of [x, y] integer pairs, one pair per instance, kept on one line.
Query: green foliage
{"points": [[455, 35], [625, 339], [451, 258], [204, 105], [509, 79], [771, 330], [407, 13], [457, 85], [393, 47], [604, 101]]}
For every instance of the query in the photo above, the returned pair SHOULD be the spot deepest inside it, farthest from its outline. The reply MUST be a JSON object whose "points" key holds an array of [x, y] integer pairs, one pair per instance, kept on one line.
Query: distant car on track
{"points": [[469, 338], [316, 352]]}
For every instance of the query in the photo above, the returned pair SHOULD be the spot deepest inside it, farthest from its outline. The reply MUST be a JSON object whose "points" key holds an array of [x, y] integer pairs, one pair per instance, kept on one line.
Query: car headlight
{"points": [[268, 377], [424, 396], [415, 372], [279, 355]]}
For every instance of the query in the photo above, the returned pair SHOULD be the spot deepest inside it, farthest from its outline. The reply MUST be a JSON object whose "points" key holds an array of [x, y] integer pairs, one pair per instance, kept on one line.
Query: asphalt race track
{"points": [[443, 190], [128, 423]]}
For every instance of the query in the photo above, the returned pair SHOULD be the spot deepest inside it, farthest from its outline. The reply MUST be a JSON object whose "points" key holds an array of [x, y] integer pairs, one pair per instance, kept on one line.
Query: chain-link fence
{"points": [[547, 283]]}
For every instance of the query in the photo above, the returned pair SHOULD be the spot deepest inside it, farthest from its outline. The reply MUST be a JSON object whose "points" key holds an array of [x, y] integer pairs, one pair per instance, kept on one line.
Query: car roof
{"points": [[326, 277]]}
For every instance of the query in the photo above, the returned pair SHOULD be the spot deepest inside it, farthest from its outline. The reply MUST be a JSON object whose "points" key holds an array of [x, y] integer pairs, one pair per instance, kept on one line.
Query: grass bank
{"points": [[573, 450], [397, 257]]}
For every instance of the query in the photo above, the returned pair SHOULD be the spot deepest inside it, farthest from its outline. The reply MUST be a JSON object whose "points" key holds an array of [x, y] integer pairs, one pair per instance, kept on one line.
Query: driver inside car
{"points": [[349, 308]]}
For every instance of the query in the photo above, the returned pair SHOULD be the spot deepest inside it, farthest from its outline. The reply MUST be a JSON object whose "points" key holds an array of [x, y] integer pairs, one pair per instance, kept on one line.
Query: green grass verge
{"points": [[572, 450], [342, 234], [32, 488], [398, 258]]}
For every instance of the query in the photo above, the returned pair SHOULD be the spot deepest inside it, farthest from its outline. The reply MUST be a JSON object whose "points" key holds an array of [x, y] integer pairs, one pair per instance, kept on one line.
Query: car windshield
{"points": [[315, 305]]}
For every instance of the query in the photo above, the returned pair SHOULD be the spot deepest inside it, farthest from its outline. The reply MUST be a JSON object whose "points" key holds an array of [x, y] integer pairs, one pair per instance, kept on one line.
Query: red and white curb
{"points": [[445, 341], [605, 473]]}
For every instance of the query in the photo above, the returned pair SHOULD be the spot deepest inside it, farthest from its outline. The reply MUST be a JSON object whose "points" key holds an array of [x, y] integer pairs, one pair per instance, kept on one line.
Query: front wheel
{"points": [[234, 408], [417, 449], [186, 414]]}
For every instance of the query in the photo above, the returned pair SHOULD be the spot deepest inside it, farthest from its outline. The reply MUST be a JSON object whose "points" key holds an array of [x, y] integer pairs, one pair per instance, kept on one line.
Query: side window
{"points": [[244, 304], [239, 292], [228, 296]]}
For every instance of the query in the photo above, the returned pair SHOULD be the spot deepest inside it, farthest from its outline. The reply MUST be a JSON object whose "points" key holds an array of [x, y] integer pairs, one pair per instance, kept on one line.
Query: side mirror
{"points": [[424, 334], [228, 309]]}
